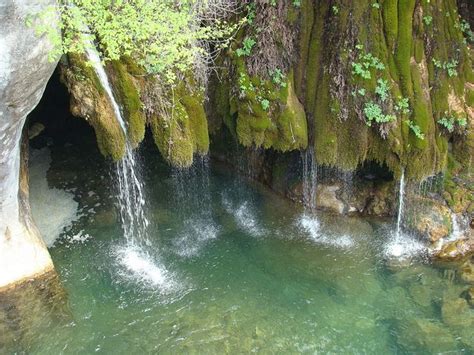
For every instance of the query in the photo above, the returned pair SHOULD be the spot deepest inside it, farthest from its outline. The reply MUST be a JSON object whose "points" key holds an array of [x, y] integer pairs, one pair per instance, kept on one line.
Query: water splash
{"points": [[244, 216], [457, 231], [131, 199], [139, 265], [402, 246], [311, 226], [192, 195]]}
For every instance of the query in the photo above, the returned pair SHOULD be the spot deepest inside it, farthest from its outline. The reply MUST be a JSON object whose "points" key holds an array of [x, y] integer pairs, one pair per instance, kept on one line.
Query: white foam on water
{"points": [[80, 237], [402, 247], [196, 234], [312, 227], [53, 209], [139, 266]]}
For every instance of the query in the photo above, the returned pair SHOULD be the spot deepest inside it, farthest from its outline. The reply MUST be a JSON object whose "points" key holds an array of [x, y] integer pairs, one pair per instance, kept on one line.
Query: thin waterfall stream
{"points": [[310, 177], [136, 256], [131, 199], [401, 203]]}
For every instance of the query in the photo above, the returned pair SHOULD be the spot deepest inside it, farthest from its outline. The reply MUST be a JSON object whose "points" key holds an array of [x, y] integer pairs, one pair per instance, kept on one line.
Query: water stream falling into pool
{"points": [[401, 203], [310, 179], [131, 199], [136, 257]]}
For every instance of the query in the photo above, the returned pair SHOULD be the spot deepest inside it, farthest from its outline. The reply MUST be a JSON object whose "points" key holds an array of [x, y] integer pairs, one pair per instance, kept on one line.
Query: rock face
{"points": [[24, 72]]}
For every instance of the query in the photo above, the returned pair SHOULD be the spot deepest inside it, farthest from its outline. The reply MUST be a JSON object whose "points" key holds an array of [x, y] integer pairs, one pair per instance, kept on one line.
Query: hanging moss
{"points": [[128, 95], [269, 114], [197, 123], [89, 101], [184, 132], [173, 137], [334, 98]]}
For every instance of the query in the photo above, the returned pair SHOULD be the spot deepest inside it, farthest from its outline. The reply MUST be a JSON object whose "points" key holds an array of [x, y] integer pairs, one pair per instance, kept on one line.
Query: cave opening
{"points": [[51, 123], [374, 171]]}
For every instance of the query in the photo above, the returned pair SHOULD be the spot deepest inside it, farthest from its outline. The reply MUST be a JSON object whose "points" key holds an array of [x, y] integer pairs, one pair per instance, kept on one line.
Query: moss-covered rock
{"points": [[269, 114], [127, 92], [89, 101], [181, 131]]}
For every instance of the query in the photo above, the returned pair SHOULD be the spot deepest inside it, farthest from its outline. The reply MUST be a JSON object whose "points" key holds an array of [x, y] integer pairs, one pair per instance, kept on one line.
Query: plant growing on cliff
{"points": [[402, 105], [366, 62], [164, 36], [278, 78], [415, 129], [247, 46], [451, 123], [383, 89], [466, 30], [450, 67], [373, 113]]}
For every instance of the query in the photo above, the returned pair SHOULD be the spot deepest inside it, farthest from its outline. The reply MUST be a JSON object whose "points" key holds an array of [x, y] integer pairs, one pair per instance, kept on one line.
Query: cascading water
{"points": [[401, 203], [401, 246], [192, 195], [134, 256], [310, 176], [308, 220], [130, 188]]}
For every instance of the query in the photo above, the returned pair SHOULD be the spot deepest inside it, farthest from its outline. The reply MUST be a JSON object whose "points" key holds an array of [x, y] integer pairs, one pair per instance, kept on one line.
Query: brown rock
{"points": [[327, 199], [456, 313], [468, 295], [428, 218], [455, 250], [466, 271], [416, 334]]}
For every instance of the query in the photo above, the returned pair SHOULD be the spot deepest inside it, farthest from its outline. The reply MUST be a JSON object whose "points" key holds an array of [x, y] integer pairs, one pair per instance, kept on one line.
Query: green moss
{"points": [[291, 128], [173, 137], [127, 93], [197, 123], [83, 71], [279, 124], [390, 17], [110, 138], [470, 97], [314, 60], [307, 19], [185, 132], [84, 84], [404, 44]]}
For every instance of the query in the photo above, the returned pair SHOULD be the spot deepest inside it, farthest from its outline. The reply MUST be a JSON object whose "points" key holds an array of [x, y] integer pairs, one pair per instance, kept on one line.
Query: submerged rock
{"points": [[416, 334], [468, 295], [457, 313], [466, 271]]}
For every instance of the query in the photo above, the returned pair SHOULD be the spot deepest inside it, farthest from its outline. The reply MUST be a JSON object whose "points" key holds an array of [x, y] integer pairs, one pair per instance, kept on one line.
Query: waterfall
{"points": [[308, 221], [131, 199], [193, 205], [401, 203], [310, 175], [401, 246]]}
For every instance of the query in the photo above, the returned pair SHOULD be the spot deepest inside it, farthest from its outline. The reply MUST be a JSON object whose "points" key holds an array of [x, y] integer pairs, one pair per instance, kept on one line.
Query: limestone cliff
{"points": [[24, 72]]}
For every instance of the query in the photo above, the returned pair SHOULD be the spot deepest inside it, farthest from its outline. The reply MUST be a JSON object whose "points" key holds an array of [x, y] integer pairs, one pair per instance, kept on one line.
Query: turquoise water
{"points": [[228, 268]]}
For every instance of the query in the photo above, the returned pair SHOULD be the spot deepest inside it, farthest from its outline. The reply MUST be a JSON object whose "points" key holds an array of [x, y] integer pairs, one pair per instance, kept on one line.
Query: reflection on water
{"points": [[232, 268]]}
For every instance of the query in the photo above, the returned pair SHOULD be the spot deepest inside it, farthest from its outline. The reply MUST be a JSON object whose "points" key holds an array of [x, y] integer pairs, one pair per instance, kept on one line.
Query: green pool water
{"points": [[228, 268]]}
